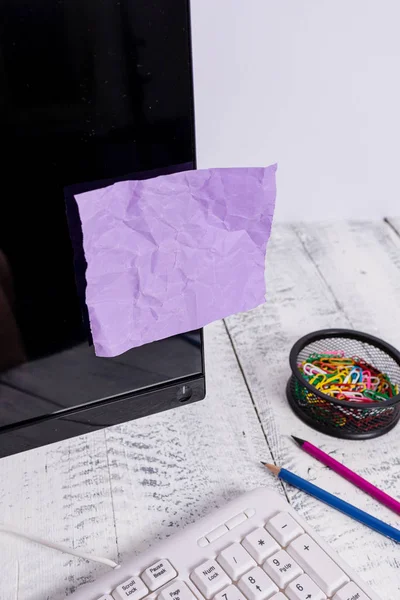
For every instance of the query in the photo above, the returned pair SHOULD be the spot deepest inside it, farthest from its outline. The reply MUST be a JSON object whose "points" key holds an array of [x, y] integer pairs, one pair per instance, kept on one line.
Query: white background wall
{"points": [[311, 84]]}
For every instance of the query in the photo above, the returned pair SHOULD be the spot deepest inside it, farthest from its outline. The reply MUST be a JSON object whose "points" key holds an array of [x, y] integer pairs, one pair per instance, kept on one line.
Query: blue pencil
{"points": [[335, 502]]}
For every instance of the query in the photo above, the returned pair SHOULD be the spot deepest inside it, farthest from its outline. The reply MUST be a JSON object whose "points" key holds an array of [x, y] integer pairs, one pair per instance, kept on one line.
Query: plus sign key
{"points": [[256, 585], [317, 564]]}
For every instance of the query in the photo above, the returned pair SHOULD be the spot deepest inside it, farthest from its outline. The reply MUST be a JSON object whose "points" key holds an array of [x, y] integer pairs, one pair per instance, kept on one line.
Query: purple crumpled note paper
{"points": [[170, 254]]}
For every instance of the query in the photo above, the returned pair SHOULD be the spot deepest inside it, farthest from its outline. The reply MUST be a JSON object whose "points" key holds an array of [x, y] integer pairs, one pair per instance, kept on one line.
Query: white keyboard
{"points": [[254, 548]]}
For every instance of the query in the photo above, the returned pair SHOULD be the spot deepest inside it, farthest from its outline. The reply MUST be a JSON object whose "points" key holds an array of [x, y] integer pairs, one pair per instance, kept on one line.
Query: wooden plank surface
{"points": [[115, 492], [320, 276]]}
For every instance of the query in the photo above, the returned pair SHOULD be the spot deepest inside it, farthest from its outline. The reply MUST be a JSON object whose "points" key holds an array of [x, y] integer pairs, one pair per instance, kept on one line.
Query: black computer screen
{"points": [[89, 91]]}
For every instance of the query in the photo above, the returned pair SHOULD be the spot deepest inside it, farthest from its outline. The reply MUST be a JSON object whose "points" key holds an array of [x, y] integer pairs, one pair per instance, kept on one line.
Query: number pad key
{"points": [[260, 544], [176, 591], [303, 588], [230, 593], [210, 578], [256, 585], [351, 591], [283, 528], [235, 561], [323, 570], [282, 568]]}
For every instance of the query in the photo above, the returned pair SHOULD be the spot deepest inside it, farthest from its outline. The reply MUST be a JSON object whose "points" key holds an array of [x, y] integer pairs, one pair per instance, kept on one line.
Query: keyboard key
{"points": [[260, 544], [314, 561], [282, 568], [236, 561], [216, 533], [210, 578], [230, 593], [279, 596], [303, 588], [256, 585], [133, 588], [351, 591], [176, 591], [235, 521], [283, 528], [161, 572], [106, 597]]}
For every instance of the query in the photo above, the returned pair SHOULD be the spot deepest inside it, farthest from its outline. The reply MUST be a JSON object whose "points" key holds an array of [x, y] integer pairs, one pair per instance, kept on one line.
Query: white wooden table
{"points": [[116, 491]]}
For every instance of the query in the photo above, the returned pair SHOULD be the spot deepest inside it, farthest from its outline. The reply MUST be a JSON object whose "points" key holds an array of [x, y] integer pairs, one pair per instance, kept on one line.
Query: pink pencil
{"points": [[360, 482]]}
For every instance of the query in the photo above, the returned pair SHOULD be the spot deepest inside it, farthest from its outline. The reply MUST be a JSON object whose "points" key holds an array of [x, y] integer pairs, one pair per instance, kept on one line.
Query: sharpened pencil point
{"points": [[273, 468], [299, 441]]}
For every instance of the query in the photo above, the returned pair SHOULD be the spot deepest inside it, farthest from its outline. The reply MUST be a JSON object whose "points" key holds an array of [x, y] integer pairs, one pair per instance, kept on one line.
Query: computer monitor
{"points": [[90, 93]]}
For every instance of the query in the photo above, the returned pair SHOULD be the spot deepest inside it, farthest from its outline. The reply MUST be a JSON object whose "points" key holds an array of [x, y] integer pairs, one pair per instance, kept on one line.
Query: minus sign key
{"points": [[284, 528]]}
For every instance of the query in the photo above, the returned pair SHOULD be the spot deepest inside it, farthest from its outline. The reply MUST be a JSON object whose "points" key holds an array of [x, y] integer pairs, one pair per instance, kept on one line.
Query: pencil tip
{"points": [[299, 441], [273, 468]]}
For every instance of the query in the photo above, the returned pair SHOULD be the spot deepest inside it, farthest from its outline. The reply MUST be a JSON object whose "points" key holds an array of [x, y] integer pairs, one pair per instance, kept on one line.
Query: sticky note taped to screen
{"points": [[170, 254]]}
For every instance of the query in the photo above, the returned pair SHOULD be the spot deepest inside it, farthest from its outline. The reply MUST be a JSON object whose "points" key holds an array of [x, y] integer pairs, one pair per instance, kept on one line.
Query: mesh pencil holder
{"points": [[343, 418]]}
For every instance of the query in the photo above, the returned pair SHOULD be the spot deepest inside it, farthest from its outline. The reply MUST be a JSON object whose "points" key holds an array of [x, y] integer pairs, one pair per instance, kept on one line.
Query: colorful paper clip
{"points": [[350, 379]]}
